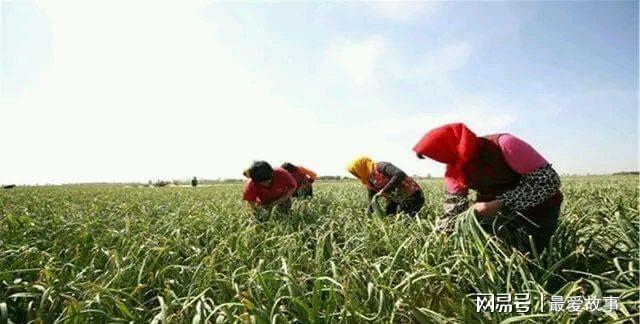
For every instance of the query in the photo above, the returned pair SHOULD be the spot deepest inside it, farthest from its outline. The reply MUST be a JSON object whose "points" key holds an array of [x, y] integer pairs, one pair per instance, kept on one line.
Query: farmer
{"points": [[268, 188], [304, 178], [384, 179], [507, 174]]}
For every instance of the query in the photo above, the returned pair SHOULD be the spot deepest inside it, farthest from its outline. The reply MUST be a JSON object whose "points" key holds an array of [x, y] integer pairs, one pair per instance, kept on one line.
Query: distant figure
{"points": [[194, 182], [507, 174], [403, 194], [304, 178], [162, 183], [268, 188]]}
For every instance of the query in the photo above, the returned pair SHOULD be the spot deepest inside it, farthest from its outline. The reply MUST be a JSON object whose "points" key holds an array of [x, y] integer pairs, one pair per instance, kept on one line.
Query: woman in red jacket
{"points": [[304, 178], [507, 174], [268, 187]]}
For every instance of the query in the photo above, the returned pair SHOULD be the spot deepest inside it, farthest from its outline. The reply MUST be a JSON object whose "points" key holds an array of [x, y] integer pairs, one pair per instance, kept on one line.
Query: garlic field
{"points": [[94, 254]]}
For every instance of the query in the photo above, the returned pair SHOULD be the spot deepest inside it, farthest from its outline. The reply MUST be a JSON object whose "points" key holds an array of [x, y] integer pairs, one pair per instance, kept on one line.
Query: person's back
{"points": [[304, 178]]}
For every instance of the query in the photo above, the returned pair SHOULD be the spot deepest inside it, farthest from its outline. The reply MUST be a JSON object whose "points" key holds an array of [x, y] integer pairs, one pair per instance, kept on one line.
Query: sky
{"points": [[146, 90]]}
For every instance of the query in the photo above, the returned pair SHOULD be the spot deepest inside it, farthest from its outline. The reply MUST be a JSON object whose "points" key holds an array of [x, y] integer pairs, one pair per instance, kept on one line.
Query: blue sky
{"points": [[119, 91]]}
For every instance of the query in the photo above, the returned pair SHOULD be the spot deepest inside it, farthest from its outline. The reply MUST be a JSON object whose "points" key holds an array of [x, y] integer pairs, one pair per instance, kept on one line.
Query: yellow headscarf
{"points": [[362, 168]]}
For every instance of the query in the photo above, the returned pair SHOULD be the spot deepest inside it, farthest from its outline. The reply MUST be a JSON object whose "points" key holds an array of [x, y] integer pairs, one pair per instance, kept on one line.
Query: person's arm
{"points": [[250, 197], [534, 188], [310, 174], [289, 193], [397, 176], [539, 180]]}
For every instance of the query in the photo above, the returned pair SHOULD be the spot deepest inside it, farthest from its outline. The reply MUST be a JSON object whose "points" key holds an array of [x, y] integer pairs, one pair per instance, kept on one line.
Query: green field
{"points": [[79, 254]]}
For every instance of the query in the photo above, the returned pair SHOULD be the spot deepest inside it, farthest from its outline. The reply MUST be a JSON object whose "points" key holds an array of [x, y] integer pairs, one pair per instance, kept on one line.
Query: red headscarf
{"points": [[452, 144]]}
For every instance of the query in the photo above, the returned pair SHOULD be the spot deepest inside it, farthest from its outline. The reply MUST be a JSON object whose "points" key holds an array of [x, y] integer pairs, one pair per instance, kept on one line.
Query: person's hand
{"points": [[485, 209]]}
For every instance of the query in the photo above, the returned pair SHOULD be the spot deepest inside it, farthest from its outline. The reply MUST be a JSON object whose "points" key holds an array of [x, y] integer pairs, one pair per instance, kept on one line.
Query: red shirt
{"points": [[304, 177], [281, 182]]}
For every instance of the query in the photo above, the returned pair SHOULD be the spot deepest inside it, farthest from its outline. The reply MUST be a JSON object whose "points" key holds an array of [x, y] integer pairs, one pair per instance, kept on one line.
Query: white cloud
{"points": [[360, 60], [402, 11]]}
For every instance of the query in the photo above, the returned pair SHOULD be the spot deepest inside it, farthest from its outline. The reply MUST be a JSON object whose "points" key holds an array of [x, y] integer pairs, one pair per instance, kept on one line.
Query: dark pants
{"points": [[517, 230], [542, 235], [411, 206], [304, 192]]}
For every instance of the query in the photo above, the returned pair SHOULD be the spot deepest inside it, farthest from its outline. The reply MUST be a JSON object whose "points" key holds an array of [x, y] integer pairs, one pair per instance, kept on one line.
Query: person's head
{"points": [[361, 168], [451, 144], [289, 167], [260, 172]]}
